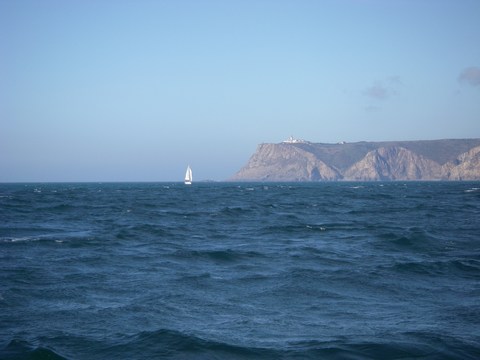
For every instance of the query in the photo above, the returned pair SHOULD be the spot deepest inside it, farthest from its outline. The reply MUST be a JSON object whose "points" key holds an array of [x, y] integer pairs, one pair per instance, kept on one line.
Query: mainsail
{"points": [[188, 176]]}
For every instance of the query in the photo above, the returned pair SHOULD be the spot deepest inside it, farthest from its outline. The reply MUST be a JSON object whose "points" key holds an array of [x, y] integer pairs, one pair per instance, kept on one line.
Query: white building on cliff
{"points": [[292, 140]]}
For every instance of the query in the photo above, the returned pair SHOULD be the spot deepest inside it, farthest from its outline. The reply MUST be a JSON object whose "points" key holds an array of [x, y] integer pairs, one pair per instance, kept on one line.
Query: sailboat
{"points": [[188, 176]]}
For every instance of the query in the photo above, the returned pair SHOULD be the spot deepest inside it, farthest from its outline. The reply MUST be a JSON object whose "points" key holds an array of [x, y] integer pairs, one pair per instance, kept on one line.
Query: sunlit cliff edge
{"points": [[298, 160]]}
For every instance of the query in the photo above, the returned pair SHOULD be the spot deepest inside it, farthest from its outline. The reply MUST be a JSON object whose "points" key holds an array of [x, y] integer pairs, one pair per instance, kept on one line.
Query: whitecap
{"points": [[21, 239], [474, 189]]}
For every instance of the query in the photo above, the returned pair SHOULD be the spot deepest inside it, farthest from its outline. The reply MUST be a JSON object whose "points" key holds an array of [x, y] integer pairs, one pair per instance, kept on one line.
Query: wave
{"points": [[300, 230], [152, 230], [473, 189], [228, 255], [406, 346], [235, 211], [165, 344], [19, 350], [468, 268], [172, 344], [57, 237], [410, 239]]}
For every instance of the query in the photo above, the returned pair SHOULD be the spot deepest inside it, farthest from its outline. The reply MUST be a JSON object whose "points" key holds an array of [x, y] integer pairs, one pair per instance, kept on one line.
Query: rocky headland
{"points": [[448, 159]]}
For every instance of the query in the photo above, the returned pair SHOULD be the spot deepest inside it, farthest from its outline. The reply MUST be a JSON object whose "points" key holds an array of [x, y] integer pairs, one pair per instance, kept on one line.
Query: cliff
{"points": [[452, 159]]}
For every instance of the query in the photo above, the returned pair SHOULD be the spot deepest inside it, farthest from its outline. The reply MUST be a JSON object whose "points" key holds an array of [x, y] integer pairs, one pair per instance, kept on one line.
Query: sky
{"points": [[136, 90]]}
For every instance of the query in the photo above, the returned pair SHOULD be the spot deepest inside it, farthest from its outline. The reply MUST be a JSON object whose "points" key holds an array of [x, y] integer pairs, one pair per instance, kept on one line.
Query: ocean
{"points": [[380, 270]]}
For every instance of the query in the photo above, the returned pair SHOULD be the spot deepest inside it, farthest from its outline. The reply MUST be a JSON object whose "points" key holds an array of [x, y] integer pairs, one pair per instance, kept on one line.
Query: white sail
{"points": [[188, 176]]}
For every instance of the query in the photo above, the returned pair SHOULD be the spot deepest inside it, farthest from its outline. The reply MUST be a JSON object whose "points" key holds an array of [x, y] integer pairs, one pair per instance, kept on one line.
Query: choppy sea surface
{"points": [[240, 270]]}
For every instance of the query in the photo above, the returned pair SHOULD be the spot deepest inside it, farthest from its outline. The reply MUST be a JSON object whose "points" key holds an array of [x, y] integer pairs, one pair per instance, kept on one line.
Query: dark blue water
{"points": [[240, 271]]}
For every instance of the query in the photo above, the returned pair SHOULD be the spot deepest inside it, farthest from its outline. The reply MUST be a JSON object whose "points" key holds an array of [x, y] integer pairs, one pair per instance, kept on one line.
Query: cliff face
{"points": [[282, 162], [415, 160], [465, 167], [394, 163]]}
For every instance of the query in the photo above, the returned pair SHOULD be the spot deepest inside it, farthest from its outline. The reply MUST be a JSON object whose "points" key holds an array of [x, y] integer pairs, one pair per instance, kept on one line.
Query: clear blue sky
{"points": [[98, 90]]}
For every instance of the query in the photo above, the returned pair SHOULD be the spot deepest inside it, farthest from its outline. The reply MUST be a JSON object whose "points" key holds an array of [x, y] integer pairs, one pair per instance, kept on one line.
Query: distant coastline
{"points": [[419, 160]]}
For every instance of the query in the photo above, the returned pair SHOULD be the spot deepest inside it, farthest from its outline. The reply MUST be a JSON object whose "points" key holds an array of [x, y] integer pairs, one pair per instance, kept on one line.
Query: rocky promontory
{"points": [[448, 159]]}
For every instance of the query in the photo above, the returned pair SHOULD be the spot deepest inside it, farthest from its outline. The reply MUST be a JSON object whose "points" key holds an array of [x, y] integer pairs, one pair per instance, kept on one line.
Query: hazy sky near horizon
{"points": [[130, 90]]}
